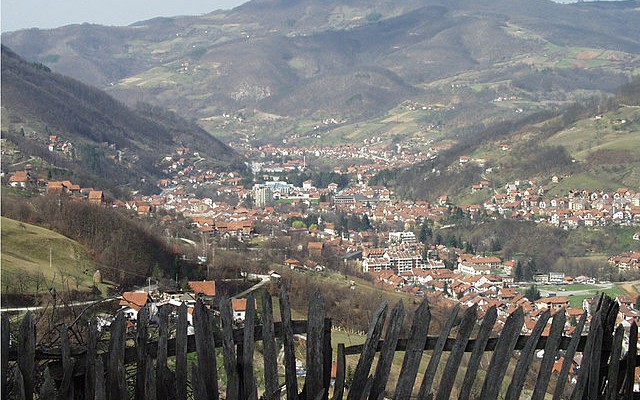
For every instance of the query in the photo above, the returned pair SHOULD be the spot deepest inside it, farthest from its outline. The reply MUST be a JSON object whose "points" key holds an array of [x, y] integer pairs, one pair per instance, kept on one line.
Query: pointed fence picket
{"points": [[85, 372]]}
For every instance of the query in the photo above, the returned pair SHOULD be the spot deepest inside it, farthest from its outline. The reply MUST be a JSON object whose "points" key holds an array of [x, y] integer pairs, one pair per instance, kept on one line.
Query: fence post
{"points": [[585, 366], [313, 384], [550, 351], [430, 373], [526, 356], [48, 388], [206, 351], [228, 350], [358, 387], [66, 389], [248, 376], [338, 390], [142, 326], [5, 331], [568, 358], [614, 365], [90, 361], [116, 382], [486, 328], [453, 363], [502, 355], [327, 352], [181, 353], [291, 380], [26, 354], [100, 389], [413, 353], [388, 349], [270, 352], [164, 377], [631, 361]]}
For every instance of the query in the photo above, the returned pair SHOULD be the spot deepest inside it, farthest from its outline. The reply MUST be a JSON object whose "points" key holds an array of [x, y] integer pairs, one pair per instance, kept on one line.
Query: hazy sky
{"points": [[24, 14]]}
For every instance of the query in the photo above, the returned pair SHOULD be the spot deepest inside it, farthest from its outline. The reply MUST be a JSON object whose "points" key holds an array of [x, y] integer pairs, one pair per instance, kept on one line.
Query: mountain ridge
{"points": [[275, 59]]}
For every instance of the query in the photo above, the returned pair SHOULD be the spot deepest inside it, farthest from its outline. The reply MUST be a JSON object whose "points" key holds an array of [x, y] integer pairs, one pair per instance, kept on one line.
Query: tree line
{"points": [[126, 250]]}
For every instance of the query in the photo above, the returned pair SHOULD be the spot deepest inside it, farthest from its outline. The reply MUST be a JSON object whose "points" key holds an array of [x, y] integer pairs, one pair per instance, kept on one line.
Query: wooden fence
{"points": [[84, 372]]}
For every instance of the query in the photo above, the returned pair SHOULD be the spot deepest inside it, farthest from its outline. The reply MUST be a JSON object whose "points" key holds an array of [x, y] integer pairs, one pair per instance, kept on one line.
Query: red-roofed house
{"points": [[206, 289], [239, 308], [132, 302]]}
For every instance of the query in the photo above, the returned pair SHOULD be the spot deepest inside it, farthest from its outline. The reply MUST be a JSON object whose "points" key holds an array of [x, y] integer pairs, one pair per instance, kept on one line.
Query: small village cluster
{"points": [[131, 302]]}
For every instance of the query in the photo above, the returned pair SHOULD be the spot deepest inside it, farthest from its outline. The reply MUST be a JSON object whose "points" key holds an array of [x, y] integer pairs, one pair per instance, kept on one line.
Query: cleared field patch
{"points": [[26, 266]]}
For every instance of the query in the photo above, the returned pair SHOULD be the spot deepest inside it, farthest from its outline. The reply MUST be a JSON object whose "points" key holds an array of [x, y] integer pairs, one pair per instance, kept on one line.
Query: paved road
{"points": [[76, 304], [258, 285]]}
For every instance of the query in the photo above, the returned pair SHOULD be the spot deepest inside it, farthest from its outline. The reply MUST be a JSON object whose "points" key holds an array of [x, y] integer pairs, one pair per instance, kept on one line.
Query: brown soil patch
{"points": [[587, 55]]}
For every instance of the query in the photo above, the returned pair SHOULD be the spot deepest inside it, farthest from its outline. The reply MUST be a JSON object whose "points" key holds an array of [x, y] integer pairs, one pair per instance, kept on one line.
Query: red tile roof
{"points": [[135, 300], [207, 288]]}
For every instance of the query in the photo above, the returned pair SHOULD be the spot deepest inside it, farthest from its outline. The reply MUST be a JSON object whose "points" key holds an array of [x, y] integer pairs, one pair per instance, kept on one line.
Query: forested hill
{"points": [[109, 144]]}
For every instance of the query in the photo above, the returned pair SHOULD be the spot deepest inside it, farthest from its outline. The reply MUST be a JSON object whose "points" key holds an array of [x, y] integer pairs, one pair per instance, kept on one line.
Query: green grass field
{"points": [[25, 260], [575, 300]]}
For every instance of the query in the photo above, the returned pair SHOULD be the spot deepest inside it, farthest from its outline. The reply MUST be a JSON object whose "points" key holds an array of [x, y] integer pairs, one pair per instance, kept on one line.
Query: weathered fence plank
{"points": [[631, 355], [568, 358], [327, 354], [141, 352], [550, 351], [313, 383], [584, 371], [199, 391], [338, 390], [270, 352], [611, 392], [478, 349], [368, 353], [164, 377], [206, 350], [413, 352], [90, 360], [502, 355], [181, 353], [26, 354], [453, 363], [48, 388], [116, 381], [100, 388], [249, 388], [66, 390], [5, 332], [18, 385], [150, 392], [291, 380], [388, 349], [430, 373], [228, 351], [526, 356]]}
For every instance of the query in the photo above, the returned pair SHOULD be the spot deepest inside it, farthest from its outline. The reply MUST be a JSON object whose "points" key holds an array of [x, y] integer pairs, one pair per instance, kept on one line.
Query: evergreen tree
{"points": [[532, 293], [518, 273]]}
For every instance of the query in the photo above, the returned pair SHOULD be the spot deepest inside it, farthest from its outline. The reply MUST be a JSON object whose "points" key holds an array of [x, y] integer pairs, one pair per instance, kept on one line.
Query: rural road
{"points": [[77, 304]]}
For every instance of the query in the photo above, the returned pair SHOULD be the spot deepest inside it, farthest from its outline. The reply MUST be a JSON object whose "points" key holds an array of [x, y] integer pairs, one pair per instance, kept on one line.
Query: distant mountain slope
{"points": [[353, 58], [109, 141], [593, 145]]}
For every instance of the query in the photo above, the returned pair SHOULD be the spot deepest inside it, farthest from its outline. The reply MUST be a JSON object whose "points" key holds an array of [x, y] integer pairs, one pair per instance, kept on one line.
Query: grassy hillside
{"points": [[26, 267]]}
